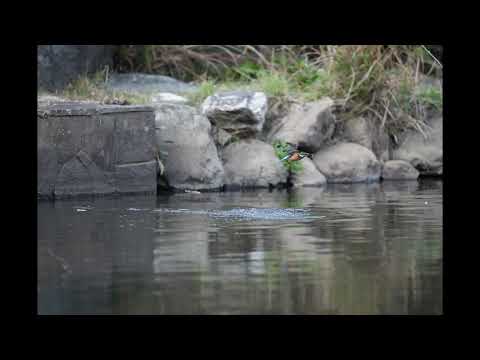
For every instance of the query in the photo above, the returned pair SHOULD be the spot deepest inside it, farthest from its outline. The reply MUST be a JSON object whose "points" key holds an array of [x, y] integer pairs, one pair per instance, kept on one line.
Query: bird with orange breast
{"points": [[295, 155]]}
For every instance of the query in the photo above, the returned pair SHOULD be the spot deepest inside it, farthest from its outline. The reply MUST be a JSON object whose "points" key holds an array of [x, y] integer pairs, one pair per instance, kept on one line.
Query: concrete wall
{"points": [[92, 149]]}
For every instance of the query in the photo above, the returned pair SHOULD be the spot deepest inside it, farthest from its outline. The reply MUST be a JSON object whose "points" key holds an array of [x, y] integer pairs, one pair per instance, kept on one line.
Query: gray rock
{"points": [[236, 111], [399, 170], [47, 99], [186, 148], [221, 137], [309, 125], [368, 133], [58, 65], [277, 109], [166, 97], [426, 155], [81, 144], [252, 163], [147, 84], [309, 176], [347, 163]]}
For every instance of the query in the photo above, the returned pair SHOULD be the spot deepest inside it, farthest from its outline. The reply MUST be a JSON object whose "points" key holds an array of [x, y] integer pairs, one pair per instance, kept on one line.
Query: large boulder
{"points": [[252, 163], [368, 133], [309, 125], [147, 84], [58, 65], [186, 148], [425, 154], [308, 176], [239, 112], [399, 170], [348, 163]]}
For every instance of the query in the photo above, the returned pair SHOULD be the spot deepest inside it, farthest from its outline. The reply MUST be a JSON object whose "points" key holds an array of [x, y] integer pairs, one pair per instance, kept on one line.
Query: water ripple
{"points": [[246, 213]]}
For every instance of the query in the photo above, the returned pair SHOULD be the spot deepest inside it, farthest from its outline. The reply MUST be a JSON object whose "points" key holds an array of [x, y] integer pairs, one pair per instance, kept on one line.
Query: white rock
{"points": [[236, 110], [168, 98]]}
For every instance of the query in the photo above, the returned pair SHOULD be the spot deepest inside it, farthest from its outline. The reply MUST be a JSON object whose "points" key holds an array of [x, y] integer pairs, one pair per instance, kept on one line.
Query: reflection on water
{"points": [[345, 249]]}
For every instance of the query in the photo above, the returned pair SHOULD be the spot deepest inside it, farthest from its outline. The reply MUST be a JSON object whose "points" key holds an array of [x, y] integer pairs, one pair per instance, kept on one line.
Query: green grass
{"points": [[205, 89], [430, 96], [303, 84]]}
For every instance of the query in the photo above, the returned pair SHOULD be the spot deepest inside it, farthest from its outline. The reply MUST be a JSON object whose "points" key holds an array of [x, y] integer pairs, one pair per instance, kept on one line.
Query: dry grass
{"points": [[92, 88]]}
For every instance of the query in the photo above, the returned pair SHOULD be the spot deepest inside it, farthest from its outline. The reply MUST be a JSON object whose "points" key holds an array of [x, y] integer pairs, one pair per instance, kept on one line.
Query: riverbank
{"points": [[227, 135]]}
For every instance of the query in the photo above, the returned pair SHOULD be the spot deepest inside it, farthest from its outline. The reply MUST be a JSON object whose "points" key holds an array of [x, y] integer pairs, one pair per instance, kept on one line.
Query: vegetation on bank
{"points": [[382, 82], [93, 88]]}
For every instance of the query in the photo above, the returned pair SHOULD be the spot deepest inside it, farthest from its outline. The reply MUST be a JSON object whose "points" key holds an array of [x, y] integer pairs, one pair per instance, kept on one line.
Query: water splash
{"points": [[245, 213]]}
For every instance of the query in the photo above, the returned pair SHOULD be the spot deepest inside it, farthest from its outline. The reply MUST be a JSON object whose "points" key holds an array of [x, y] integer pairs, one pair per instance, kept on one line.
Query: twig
{"points": [[434, 58]]}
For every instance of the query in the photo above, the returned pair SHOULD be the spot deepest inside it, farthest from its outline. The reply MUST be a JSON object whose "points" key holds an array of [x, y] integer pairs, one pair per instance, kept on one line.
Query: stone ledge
{"points": [[81, 108]]}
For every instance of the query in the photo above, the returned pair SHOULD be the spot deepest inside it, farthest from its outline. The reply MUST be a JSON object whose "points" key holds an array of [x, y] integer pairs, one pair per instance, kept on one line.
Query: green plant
{"points": [[246, 71], [430, 96], [205, 89], [281, 150], [274, 84]]}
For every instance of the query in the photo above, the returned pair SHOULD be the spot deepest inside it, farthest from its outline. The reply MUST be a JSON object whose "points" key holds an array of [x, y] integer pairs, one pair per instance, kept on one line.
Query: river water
{"points": [[343, 249]]}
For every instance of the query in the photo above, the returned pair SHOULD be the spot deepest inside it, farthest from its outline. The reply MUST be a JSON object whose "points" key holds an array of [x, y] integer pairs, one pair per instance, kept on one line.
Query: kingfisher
{"points": [[295, 155]]}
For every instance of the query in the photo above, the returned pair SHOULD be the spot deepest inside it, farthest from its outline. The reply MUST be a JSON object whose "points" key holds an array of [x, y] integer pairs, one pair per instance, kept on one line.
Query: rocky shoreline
{"points": [[90, 148]]}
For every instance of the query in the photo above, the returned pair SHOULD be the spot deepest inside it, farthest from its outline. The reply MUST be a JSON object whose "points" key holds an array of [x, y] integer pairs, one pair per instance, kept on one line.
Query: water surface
{"points": [[343, 249]]}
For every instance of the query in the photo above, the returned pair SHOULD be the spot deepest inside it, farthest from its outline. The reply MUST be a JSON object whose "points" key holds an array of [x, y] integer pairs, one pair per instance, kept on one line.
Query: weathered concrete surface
{"points": [[91, 149], [252, 163], [131, 178], [308, 125], [57, 65], [237, 111], [347, 163], [186, 147], [399, 170]]}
